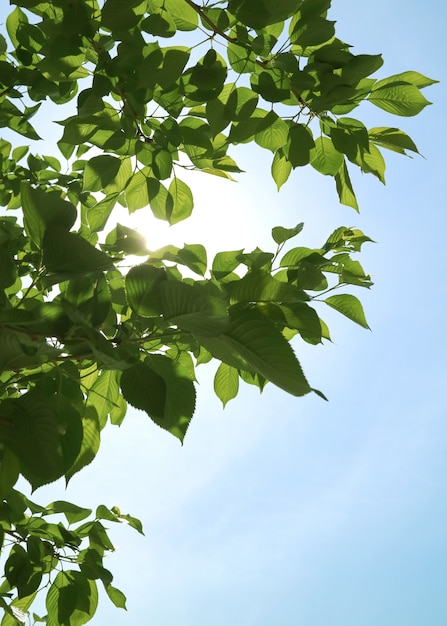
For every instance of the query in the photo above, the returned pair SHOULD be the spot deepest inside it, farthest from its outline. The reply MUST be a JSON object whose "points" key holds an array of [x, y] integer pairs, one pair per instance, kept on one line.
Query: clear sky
{"points": [[299, 512]]}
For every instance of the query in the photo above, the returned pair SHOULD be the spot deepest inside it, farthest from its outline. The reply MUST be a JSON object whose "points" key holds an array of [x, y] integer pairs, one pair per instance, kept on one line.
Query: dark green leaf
{"points": [[69, 253], [300, 143], [144, 389]]}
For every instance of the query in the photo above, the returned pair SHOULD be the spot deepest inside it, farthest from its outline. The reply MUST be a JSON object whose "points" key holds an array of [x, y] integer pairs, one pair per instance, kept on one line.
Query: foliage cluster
{"points": [[80, 336]]}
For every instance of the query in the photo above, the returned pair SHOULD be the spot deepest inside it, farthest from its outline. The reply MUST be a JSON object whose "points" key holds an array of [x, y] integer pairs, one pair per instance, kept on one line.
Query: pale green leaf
{"points": [[399, 98], [349, 306], [281, 168], [226, 383]]}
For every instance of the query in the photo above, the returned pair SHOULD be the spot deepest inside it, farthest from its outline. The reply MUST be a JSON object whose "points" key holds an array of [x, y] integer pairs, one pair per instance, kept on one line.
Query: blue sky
{"points": [[295, 511]]}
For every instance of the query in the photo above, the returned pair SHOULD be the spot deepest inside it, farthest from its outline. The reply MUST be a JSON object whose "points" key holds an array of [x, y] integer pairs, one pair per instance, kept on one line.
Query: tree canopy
{"points": [[82, 336]]}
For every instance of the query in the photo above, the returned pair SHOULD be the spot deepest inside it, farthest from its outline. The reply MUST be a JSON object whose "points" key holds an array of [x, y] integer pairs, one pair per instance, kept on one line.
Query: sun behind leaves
{"points": [[81, 335]]}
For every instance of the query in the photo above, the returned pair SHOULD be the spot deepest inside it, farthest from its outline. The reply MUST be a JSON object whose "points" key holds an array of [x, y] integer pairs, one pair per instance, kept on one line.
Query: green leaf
{"points": [[20, 572], [71, 254], [260, 286], [372, 162], [261, 13], [303, 318], [194, 308], [254, 344], [9, 473], [142, 283], [413, 78], [99, 213], [71, 600], [144, 389], [107, 173], [133, 522], [182, 201], [273, 84], [206, 79], [42, 209], [344, 188], [180, 395], [159, 24], [72, 512], [398, 98], [281, 234], [325, 158], [162, 202], [192, 255], [38, 436], [3, 45], [89, 444], [361, 66], [392, 139], [226, 383], [349, 306], [300, 143], [225, 263], [294, 257], [311, 32], [281, 168], [275, 135], [116, 596], [185, 17], [121, 15]]}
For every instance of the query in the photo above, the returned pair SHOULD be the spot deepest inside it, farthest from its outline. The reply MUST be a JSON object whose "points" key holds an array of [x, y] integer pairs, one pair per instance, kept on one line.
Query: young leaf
{"points": [[182, 201], [281, 169], [350, 306], [325, 158], [281, 234], [344, 187], [226, 383]]}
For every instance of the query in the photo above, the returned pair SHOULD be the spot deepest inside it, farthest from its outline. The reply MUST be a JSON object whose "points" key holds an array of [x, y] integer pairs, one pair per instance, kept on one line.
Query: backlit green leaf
{"points": [[254, 344], [344, 187], [182, 201], [281, 169], [399, 98], [226, 383], [193, 308], [281, 234], [142, 282], [72, 599], [349, 306], [71, 254]]}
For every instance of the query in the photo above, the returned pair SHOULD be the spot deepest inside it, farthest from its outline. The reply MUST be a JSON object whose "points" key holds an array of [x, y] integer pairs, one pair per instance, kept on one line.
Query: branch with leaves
{"points": [[82, 336]]}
